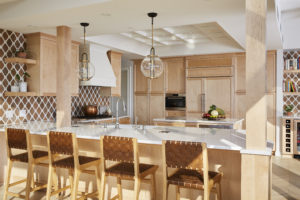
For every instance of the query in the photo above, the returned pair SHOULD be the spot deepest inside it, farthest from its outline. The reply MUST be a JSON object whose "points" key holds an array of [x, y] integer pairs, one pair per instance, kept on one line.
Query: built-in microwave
{"points": [[175, 101]]}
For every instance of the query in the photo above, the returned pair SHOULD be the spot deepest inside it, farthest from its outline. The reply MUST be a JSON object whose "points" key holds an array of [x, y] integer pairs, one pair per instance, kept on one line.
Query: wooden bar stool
{"points": [[63, 153], [124, 151], [19, 139], [190, 161]]}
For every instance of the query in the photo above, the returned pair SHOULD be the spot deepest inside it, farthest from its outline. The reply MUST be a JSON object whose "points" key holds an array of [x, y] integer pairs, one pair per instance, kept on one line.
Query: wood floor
{"points": [[286, 181]]}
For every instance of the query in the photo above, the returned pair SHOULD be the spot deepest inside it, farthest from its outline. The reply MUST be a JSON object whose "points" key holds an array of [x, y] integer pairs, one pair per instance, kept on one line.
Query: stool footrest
{"points": [[115, 197], [60, 190], [85, 196], [17, 182], [16, 195]]}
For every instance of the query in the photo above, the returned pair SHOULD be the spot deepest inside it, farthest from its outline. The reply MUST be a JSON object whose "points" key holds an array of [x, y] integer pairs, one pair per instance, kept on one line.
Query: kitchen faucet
{"points": [[117, 111]]}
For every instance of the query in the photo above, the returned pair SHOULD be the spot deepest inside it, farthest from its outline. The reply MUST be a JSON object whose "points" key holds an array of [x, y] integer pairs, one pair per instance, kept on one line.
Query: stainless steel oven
{"points": [[175, 102]]}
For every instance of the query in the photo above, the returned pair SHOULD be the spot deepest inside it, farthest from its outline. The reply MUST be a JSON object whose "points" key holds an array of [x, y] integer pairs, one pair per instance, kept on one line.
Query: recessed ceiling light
{"points": [[105, 14]]}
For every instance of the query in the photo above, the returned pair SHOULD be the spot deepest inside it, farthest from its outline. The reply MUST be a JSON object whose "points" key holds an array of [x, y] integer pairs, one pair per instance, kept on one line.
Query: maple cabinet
{"points": [[42, 47], [175, 75]]}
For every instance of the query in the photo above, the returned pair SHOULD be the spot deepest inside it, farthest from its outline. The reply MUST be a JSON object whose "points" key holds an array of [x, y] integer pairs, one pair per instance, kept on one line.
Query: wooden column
{"points": [[255, 161], [63, 81]]}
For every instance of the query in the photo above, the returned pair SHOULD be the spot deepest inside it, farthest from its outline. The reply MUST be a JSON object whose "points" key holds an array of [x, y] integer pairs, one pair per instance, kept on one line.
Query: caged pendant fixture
{"points": [[152, 65], [86, 68]]}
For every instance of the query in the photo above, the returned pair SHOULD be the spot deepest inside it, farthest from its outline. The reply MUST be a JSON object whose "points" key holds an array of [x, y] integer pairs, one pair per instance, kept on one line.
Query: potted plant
{"points": [[22, 81], [21, 53], [288, 109]]}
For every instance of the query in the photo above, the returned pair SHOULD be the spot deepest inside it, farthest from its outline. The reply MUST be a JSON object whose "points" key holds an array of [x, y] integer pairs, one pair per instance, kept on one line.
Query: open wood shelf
{"points": [[291, 93], [20, 60], [16, 94]]}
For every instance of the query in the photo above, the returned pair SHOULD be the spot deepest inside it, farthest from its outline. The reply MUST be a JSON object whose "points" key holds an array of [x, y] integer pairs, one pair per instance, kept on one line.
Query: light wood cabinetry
{"points": [[175, 75], [175, 113], [194, 91], [218, 91], [157, 107], [157, 85], [42, 47], [141, 83], [141, 108], [149, 96]]}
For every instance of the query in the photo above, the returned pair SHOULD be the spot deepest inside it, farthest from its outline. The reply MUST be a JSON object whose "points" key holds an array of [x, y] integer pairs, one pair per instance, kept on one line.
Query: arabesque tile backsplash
{"points": [[40, 108]]}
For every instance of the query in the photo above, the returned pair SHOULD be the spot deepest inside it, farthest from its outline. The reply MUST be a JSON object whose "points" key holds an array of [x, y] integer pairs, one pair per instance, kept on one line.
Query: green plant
{"points": [[288, 108], [22, 77]]}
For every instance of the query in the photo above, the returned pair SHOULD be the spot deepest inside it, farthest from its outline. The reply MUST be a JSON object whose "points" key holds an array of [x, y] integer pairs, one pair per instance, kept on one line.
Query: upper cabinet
{"points": [[175, 75], [42, 47], [240, 70], [141, 83]]}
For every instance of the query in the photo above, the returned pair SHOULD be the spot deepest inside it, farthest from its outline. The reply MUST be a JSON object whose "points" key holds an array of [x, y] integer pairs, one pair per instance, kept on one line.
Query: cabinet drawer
{"points": [[175, 113], [209, 72]]}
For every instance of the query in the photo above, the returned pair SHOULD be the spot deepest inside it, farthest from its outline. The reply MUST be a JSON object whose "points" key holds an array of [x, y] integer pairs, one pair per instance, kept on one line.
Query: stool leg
{"points": [[98, 180], [153, 187], [28, 181], [55, 181], [7, 180], [165, 190], [177, 193], [219, 193], [75, 184], [137, 184], [119, 188], [103, 178], [49, 185], [32, 178], [71, 179]]}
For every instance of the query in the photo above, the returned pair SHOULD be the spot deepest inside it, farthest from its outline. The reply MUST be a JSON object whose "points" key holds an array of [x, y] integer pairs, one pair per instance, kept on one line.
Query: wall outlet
{"points": [[22, 113], [9, 114]]}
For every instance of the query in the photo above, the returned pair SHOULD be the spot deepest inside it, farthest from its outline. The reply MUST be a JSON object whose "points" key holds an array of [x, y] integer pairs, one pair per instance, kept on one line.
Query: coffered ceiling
{"points": [[183, 35]]}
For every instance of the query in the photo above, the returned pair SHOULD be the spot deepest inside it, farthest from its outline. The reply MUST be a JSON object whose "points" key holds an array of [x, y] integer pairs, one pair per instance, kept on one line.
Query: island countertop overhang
{"points": [[224, 139]]}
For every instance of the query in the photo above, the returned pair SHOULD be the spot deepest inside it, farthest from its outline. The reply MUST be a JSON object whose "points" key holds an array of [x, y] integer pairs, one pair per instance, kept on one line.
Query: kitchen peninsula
{"points": [[224, 150]]}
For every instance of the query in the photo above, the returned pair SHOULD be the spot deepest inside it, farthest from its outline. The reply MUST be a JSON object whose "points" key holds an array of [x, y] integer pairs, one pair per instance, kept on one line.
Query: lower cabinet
{"points": [[149, 107], [175, 113]]}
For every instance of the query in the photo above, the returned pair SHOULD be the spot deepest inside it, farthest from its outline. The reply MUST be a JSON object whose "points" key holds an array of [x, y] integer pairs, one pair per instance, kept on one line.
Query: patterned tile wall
{"points": [[37, 108], [295, 77]]}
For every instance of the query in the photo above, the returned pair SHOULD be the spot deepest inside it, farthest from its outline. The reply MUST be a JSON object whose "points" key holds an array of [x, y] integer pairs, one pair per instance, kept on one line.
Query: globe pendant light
{"points": [[86, 68], [152, 66]]}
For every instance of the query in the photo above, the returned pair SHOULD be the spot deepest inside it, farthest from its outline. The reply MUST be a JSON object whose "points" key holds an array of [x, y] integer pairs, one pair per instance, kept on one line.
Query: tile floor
{"points": [[285, 180]]}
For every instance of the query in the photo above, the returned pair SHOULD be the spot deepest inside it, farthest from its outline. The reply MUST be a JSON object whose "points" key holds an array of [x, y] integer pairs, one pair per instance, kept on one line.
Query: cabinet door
{"points": [[175, 75], [142, 109], [194, 90], [158, 84], [157, 107], [48, 63], [218, 91], [140, 81], [240, 71]]}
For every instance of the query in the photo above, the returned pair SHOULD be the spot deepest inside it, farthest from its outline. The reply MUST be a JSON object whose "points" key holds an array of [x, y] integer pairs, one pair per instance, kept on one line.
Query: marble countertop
{"points": [[89, 120], [198, 120], [226, 139]]}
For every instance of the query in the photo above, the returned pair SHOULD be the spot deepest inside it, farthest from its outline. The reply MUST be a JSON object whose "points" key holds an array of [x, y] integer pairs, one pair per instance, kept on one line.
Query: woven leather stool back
{"points": [[61, 143], [118, 149], [16, 138], [184, 155]]}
